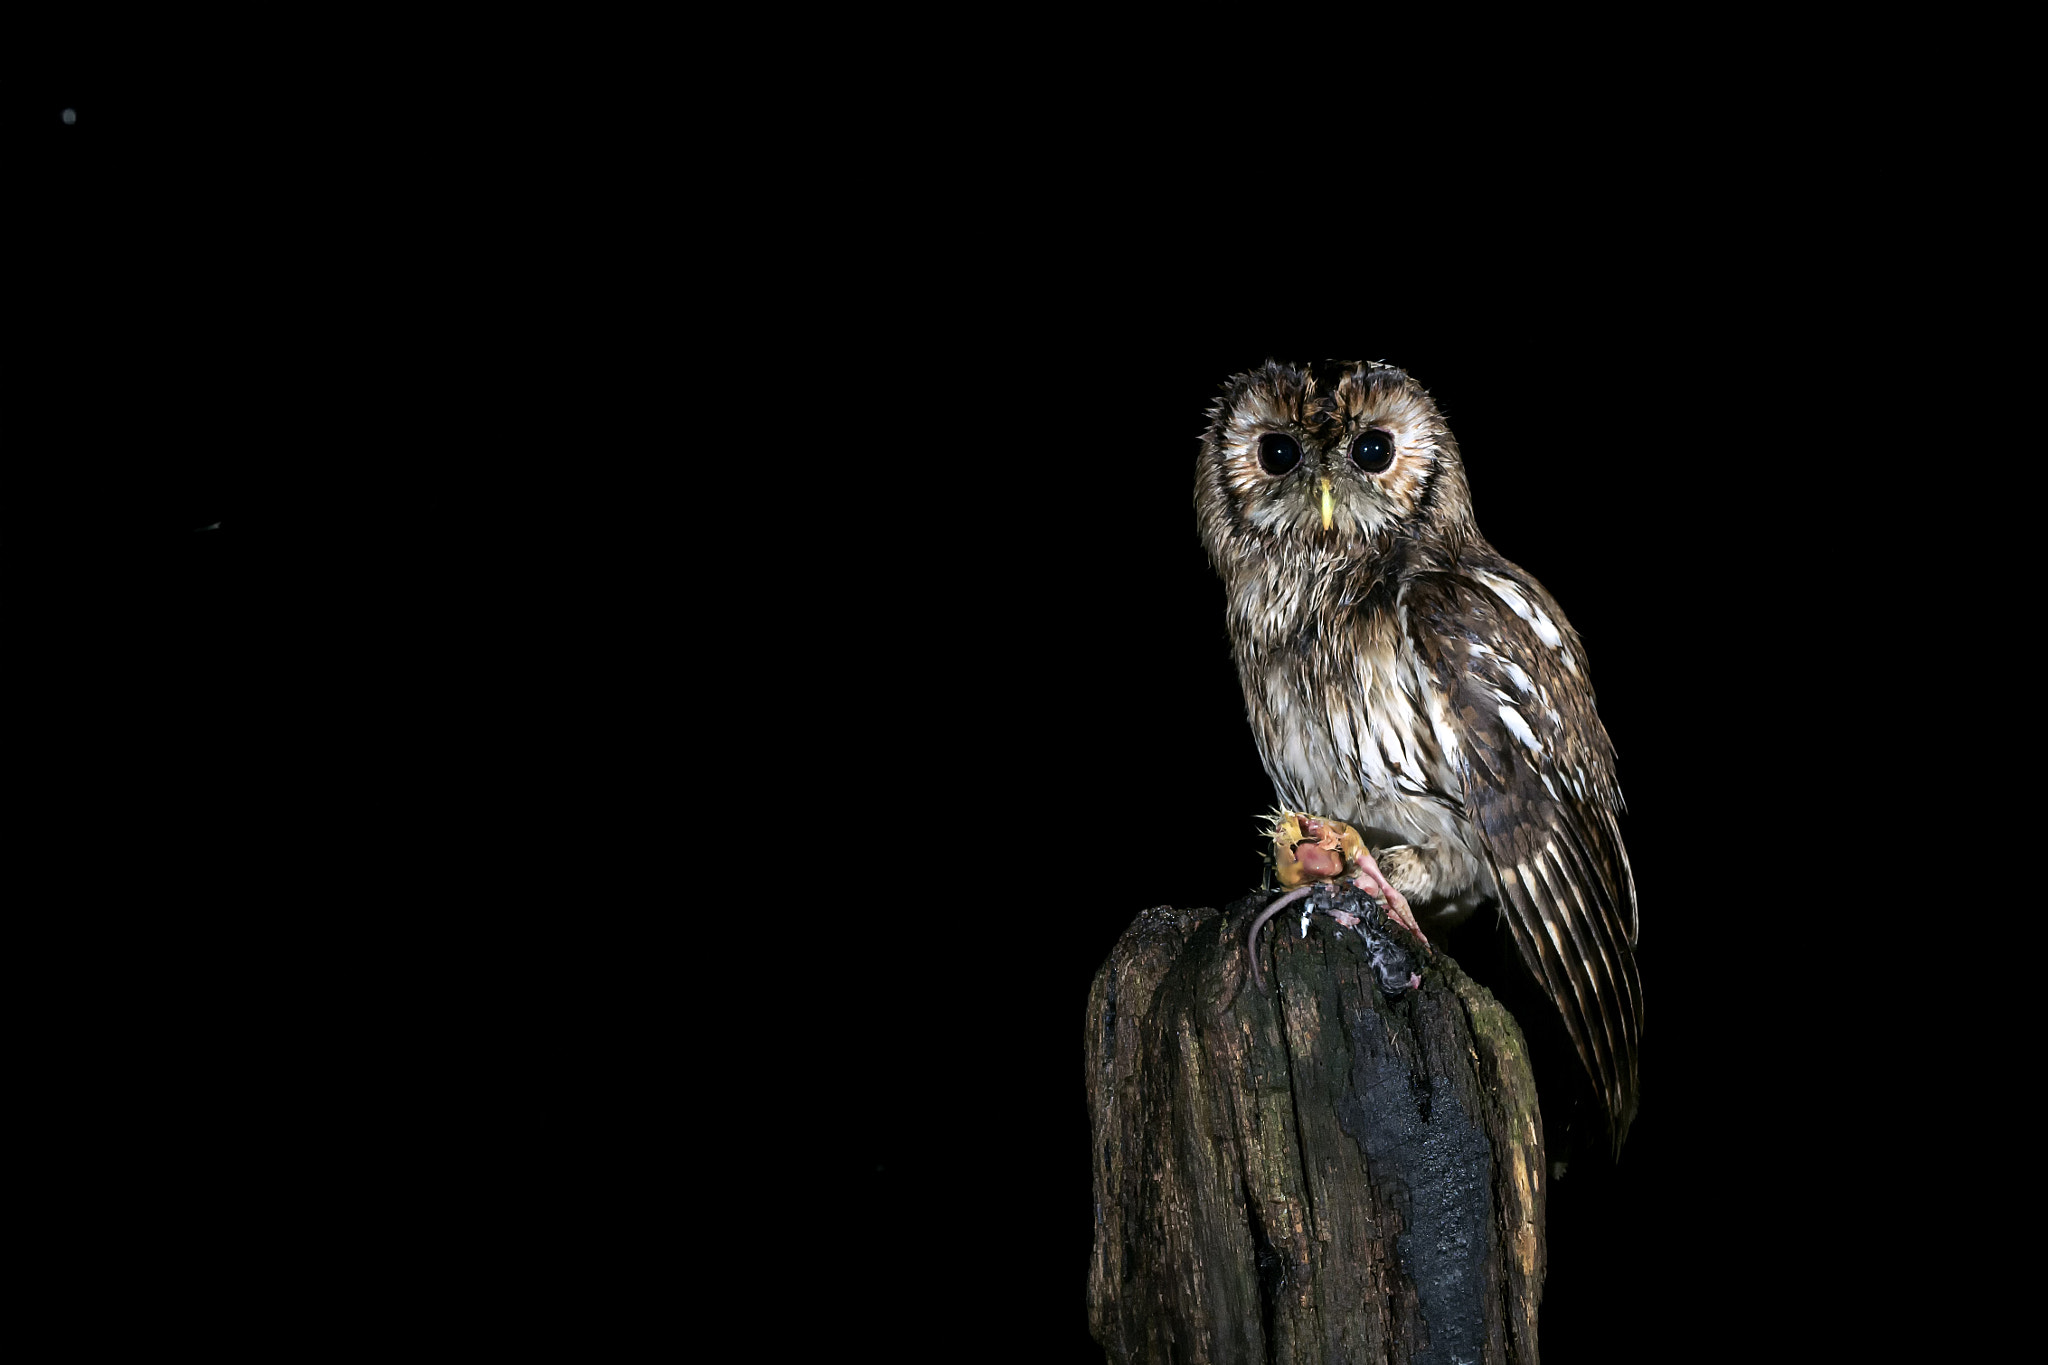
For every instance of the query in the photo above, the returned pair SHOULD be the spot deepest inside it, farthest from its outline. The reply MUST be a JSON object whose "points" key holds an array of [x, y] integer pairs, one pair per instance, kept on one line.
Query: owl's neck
{"points": [[1279, 598], [1283, 595]]}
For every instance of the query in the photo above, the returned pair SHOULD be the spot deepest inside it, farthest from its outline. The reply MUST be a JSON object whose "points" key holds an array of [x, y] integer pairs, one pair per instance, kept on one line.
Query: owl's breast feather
{"points": [[1361, 734]]}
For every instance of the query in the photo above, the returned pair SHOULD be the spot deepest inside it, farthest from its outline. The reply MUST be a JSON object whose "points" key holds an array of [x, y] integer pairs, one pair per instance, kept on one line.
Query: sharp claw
{"points": [[1374, 883]]}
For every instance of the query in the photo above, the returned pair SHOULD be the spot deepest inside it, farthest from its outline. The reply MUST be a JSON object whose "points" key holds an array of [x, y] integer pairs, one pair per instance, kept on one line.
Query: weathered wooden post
{"points": [[1319, 1171]]}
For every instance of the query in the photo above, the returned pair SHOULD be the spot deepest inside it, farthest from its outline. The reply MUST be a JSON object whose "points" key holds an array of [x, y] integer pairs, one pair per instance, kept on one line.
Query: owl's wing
{"points": [[1538, 772]]}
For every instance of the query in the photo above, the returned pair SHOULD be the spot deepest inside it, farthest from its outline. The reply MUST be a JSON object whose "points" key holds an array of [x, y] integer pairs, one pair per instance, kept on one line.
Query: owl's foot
{"points": [[1374, 883]]}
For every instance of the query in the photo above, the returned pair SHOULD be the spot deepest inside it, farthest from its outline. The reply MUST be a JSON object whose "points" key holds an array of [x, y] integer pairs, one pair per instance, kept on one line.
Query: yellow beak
{"points": [[1329, 507]]}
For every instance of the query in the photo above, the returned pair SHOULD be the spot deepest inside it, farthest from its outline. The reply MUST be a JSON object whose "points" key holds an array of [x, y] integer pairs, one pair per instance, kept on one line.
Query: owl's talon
{"points": [[1375, 884]]}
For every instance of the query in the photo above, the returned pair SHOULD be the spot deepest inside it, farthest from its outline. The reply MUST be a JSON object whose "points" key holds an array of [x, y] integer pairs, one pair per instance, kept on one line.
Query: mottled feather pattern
{"points": [[1403, 677], [1538, 776]]}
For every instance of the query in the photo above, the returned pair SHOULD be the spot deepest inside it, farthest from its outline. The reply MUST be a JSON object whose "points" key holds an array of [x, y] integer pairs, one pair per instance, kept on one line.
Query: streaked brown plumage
{"points": [[1401, 676]]}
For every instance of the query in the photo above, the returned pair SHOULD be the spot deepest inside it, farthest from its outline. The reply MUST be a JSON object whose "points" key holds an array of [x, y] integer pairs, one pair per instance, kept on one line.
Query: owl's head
{"points": [[1331, 461]]}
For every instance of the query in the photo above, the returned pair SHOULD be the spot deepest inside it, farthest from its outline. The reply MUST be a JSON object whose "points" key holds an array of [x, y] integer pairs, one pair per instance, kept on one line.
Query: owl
{"points": [[1403, 677]]}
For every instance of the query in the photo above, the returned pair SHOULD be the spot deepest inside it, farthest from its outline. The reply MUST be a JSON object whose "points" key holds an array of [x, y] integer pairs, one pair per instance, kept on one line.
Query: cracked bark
{"points": [[1316, 1172]]}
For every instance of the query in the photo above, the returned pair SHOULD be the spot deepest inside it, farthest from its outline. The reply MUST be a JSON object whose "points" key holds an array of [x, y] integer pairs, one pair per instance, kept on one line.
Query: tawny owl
{"points": [[1403, 677]]}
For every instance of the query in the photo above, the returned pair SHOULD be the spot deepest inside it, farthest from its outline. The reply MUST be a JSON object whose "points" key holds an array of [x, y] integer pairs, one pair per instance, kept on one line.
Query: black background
{"points": [[733, 699]]}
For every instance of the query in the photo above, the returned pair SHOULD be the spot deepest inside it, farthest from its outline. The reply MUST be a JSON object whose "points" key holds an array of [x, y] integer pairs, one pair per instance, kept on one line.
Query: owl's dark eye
{"points": [[1373, 451], [1277, 453]]}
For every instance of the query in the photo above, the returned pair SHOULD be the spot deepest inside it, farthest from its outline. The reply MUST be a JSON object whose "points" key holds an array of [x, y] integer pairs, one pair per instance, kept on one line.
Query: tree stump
{"points": [[1316, 1171]]}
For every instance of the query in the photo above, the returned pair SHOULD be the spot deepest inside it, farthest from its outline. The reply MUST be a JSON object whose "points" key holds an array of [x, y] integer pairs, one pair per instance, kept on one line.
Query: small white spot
{"points": [[1547, 787], [1527, 610], [1507, 593], [69, 116], [1304, 923], [1520, 729]]}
